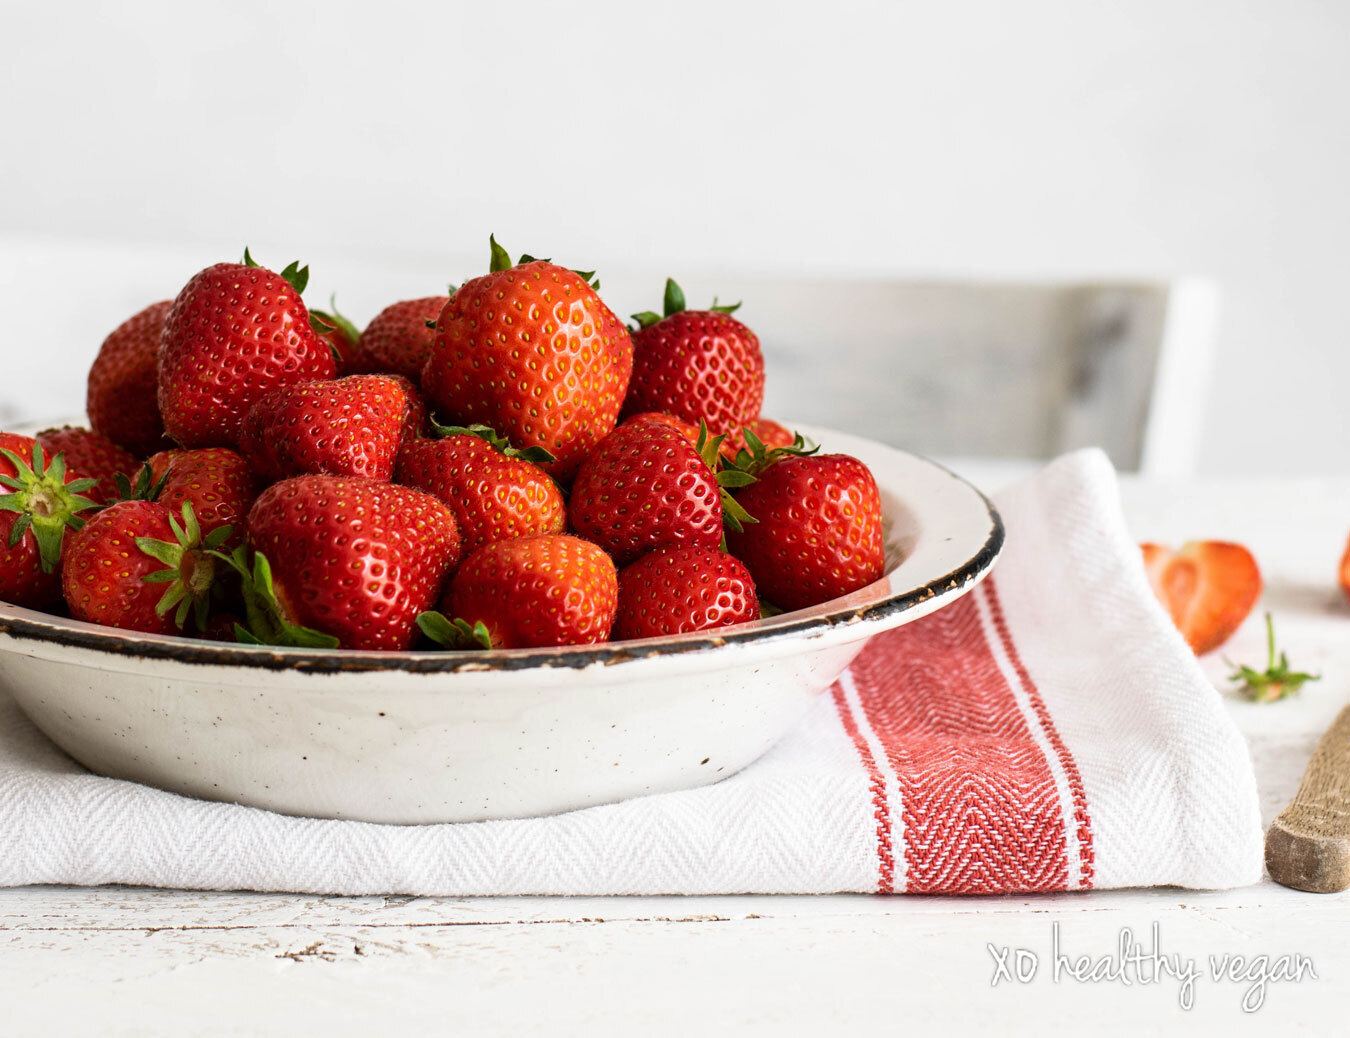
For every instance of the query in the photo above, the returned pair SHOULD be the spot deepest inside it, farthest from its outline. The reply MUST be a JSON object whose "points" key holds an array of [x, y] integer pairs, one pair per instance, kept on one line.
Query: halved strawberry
{"points": [[549, 589], [676, 589], [1345, 571], [40, 501], [92, 455], [1208, 588], [135, 566]]}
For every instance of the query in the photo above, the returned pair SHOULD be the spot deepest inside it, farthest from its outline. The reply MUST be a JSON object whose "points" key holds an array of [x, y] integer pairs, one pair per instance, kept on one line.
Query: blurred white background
{"points": [[1148, 138]]}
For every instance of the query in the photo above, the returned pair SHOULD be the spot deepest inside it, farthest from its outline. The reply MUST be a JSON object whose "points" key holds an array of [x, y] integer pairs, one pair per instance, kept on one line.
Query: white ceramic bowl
{"points": [[442, 737]]}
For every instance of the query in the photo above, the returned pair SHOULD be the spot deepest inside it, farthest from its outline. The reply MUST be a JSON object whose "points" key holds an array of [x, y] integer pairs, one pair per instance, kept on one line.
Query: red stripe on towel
{"points": [[1082, 822], [978, 803]]}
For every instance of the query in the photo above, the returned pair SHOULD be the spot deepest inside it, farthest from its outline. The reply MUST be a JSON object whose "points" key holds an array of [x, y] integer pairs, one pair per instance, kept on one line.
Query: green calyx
{"points": [[1277, 681], [534, 455], [454, 634], [46, 503], [266, 622], [500, 260], [190, 568], [754, 457], [146, 487], [293, 274], [331, 320], [674, 303], [734, 516]]}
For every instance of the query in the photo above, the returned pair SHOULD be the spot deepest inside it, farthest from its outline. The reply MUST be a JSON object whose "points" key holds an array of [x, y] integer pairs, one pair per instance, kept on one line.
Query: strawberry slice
{"points": [[1345, 571], [1208, 588]]}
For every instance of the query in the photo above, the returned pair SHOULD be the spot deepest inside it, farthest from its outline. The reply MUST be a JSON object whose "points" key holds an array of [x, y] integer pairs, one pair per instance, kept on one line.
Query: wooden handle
{"points": [[1308, 845]]}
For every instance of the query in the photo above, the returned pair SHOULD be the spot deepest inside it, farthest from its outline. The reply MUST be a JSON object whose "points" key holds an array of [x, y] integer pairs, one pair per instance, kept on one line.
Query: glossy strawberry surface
{"points": [[216, 481], [698, 365], [91, 455], [550, 589], [355, 558], [494, 497], [398, 339], [103, 571], [644, 486], [534, 353], [690, 588], [349, 426], [234, 334], [818, 534], [121, 397]]}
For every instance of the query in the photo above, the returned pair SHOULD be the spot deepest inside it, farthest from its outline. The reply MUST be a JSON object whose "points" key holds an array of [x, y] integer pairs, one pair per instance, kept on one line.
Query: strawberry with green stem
{"points": [[265, 620], [116, 566], [527, 592], [235, 333], [646, 485], [698, 365], [1277, 681], [44, 500], [531, 350], [496, 491], [343, 338]]}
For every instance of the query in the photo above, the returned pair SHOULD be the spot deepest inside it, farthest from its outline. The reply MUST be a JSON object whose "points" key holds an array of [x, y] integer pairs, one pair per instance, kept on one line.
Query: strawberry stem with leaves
{"points": [[266, 620], [1277, 681], [46, 503], [190, 568], [500, 260], [536, 455], [674, 303], [454, 634]]}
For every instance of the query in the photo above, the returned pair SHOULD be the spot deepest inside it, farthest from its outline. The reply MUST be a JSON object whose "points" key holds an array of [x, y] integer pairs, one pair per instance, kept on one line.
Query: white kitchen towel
{"points": [[1048, 731]]}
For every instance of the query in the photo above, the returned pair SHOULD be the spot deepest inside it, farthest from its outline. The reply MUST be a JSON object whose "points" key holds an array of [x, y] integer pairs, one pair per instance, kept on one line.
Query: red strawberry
{"points": [[40, 501], [122, 397], [355, 558], [771, 433], [645, 486], [1345, 571], [235, 333], [532, 352], [136, 567], [699, 365], [343, 339], [418, 422], [689, 432], [349, 426], [91, 455], [818, 531], [215, 481], [673, 590], [494, 490], [550, 589], [1208, 588], [399, 340]]}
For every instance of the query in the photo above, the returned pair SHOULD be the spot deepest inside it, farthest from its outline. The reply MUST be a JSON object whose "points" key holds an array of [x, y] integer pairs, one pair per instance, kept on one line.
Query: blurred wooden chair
{"points": [[989, 369]]}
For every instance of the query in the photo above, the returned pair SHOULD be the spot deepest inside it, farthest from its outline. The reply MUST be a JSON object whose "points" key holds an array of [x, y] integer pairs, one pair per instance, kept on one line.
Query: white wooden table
{"points": [[132, 961]]}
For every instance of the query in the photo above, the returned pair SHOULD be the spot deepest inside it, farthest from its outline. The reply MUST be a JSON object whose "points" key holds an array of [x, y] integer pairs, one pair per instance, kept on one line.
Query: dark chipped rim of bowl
{"points": [[332, 661]]}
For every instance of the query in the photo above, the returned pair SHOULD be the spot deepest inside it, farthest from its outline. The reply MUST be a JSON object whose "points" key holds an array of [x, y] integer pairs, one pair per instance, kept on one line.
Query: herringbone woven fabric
{"points": [[1049, 731]]}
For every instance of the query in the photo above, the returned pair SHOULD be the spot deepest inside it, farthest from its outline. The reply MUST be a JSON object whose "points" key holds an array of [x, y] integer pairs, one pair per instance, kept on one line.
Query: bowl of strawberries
{"points": [[496, 555]]}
